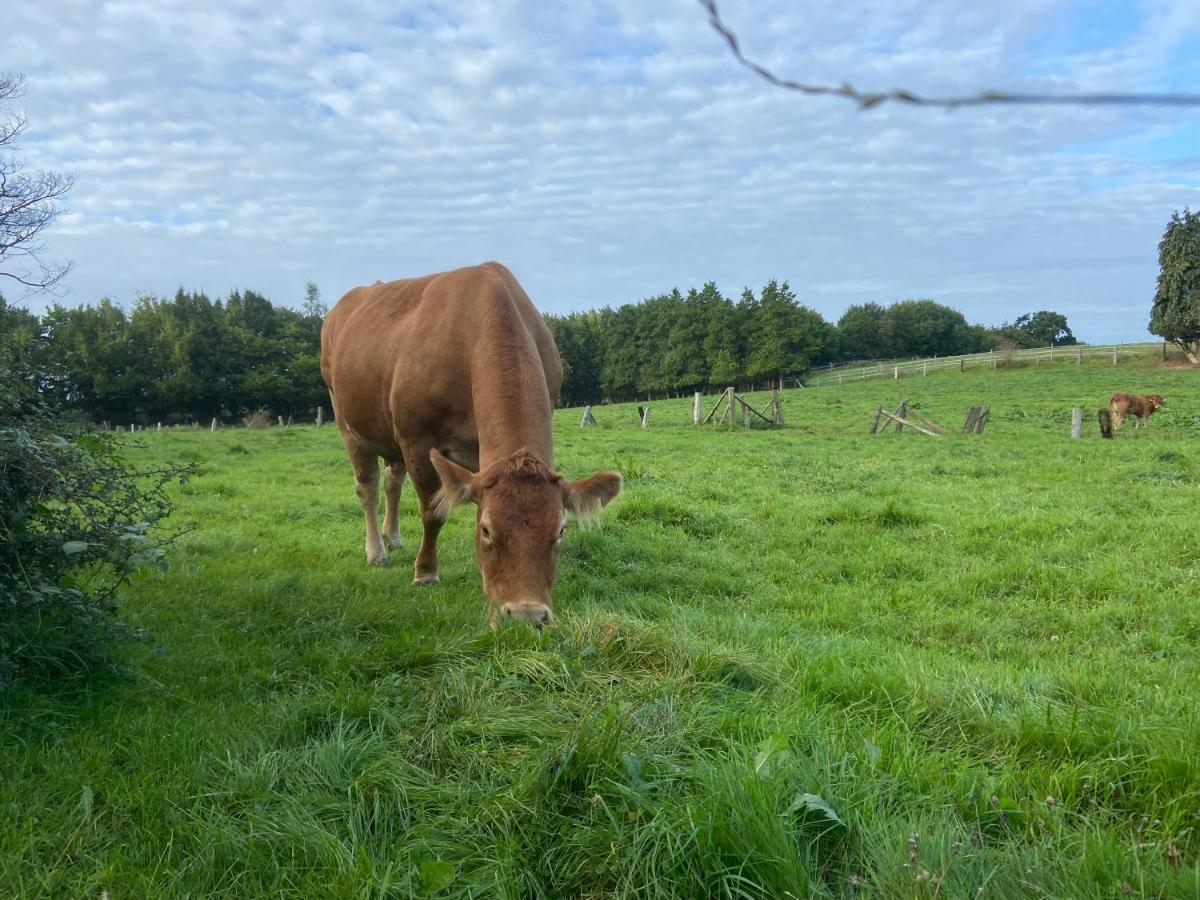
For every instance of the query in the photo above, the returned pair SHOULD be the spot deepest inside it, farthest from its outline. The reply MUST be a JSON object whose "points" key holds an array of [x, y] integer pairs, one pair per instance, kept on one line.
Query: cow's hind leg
{"points": [[366, 485], [393, 480], [426, 483]]}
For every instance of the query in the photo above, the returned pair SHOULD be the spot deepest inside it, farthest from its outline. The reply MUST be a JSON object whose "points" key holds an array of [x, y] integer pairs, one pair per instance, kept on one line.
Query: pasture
{"points": [[808, 662]]}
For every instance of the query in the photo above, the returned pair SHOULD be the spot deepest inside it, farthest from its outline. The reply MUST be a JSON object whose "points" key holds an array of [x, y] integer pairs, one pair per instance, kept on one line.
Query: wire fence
{"points": [[992, 359]]}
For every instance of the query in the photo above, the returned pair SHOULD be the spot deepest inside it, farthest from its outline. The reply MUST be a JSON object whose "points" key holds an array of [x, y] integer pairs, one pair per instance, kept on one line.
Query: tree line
{"points": [[703, 340], [173, 360], [191, 357]]}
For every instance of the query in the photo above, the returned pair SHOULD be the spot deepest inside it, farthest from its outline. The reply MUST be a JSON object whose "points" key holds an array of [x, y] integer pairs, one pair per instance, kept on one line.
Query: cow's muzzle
{"points": [[536, 614]]}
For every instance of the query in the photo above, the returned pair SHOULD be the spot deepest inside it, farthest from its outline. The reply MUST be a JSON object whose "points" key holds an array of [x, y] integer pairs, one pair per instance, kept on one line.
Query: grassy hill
{"points": [[789, 663]]}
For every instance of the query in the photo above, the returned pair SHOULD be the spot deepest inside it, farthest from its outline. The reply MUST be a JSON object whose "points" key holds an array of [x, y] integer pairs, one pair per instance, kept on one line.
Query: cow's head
{"points": [[1156, 401], [522, 506]]}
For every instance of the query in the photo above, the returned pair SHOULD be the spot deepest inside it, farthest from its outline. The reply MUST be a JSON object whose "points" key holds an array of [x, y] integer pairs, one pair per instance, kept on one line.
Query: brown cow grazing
{"points": [[443, 375], [1142, 406]]}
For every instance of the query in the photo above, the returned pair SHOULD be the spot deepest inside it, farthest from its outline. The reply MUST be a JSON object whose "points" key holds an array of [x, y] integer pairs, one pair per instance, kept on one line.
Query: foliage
{"points": [[1175, 314], [184, 358], [28, 201], [1040, 329], [76, 520]]}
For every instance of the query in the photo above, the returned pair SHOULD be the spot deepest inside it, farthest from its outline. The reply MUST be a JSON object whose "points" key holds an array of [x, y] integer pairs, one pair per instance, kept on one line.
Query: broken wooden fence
{"points": [[977, 418], [728, 403], [904, 417]]}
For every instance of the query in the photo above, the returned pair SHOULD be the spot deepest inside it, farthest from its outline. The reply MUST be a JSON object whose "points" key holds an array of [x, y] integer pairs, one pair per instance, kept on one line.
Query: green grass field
{"points": [[794, 663]]}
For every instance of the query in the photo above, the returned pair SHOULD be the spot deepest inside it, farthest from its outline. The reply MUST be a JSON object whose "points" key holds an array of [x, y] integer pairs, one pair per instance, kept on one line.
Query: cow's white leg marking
{"points": [[368, 495]]}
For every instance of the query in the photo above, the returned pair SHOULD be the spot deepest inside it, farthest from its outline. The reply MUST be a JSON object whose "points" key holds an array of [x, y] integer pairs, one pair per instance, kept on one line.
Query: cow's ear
{"points": [[456, 488], [587, 496]]}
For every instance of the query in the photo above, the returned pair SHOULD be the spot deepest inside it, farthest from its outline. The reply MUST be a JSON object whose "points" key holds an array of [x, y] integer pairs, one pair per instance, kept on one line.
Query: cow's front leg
{"points": [[393, 480], [366, 485], [427, 484]]}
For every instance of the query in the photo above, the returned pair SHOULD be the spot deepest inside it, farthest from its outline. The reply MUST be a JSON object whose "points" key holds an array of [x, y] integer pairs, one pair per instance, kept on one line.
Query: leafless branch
{"points": [[868, 99], [28, 202]]}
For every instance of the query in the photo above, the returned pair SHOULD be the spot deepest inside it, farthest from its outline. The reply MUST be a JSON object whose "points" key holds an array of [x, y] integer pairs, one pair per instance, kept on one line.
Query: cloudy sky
{"points": [[608, 150]]}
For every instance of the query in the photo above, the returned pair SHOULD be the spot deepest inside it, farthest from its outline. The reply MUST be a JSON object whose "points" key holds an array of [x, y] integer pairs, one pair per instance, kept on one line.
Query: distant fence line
{"points": [[991, 359]]}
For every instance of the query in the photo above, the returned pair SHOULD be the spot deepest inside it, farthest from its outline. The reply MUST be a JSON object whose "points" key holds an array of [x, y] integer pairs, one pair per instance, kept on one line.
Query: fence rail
{"points": [[991, 359]]}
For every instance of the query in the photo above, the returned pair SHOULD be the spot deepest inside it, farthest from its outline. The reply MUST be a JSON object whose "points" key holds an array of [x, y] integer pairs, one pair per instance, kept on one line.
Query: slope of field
{"points": [[805, 662]]}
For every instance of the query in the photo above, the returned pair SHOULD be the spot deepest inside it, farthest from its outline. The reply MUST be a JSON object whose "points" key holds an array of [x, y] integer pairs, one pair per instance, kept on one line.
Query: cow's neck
{"points": [[508, 385]]}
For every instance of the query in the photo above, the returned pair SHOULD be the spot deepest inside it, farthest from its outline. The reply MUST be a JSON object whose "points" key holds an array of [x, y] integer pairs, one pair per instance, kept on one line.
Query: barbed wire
{"points": [[869, 99]]}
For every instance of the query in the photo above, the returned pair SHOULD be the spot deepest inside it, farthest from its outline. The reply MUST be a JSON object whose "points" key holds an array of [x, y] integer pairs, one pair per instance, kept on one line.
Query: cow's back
{"points": [[397, 356]]}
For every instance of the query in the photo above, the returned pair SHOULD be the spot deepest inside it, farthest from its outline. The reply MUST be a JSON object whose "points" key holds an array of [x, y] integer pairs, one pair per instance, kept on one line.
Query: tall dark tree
{"points": [[722, 338], [23, 353], [103, 374], [1175, 315], [28, 201], [785, 337]]}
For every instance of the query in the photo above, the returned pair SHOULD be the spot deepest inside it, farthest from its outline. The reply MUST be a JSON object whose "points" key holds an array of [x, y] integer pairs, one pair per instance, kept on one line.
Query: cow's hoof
{"points": [[426, 578], [393, 541], [381, 561]]}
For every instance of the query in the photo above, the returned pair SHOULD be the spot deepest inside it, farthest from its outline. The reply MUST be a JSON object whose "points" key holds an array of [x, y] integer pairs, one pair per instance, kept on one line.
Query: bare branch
{"points": [[28, 202], [867, 100]]}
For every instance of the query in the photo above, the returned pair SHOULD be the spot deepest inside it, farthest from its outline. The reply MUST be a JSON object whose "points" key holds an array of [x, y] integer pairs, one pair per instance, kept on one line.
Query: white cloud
{"points": [[605, 150]]}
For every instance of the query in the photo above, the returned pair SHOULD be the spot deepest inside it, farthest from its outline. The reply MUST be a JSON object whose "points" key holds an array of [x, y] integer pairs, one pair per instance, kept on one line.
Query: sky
{"points": [[610, 150]]}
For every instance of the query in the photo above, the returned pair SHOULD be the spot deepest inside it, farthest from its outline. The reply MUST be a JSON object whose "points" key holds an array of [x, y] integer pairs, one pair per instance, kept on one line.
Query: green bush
{"points": [[76, 520]]}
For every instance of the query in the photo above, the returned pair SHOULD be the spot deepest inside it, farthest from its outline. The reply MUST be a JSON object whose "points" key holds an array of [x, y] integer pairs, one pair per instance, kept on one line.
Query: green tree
{"points": [[722, 339], [101, 368], [926, 328], [864, 332], [23, 353], [1175, 315], [1039, 329], [785, 337]]}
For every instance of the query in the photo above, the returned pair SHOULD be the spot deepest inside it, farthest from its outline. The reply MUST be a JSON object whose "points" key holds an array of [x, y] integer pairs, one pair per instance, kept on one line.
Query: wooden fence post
{"points": [[895, 372], [1079, 357], [1164, 351], [280, 421], [728, 417], [645, 417], [320, 416], [777, 408], [875, 421], [588, 418], [993, 360], [901, 413], [962, 365], [1116, 352], [1105, 417], [925, 368], [213, 426], [289, 422], [696, 408], [1077, 422], [159, 427]]}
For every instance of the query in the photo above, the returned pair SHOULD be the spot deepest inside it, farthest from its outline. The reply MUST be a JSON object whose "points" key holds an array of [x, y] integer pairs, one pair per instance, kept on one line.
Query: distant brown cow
{"points": [[446, 374], [1142, 406]]}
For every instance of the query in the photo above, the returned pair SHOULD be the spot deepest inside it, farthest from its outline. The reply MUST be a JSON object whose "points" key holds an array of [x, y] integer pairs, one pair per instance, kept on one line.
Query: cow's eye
{"points": [[561, 532], [485, 534]]}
